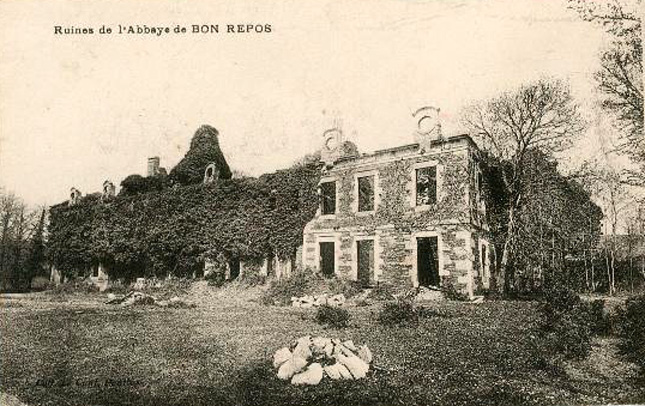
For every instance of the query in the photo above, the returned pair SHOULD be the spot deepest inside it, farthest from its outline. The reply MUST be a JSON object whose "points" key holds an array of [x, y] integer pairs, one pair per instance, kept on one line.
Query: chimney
{"points": [[153, 166]]}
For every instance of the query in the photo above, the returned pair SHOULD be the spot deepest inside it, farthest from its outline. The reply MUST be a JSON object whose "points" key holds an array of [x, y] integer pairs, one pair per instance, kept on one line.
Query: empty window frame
{"points": [[366, 193], [328, 197], [426, 185]]}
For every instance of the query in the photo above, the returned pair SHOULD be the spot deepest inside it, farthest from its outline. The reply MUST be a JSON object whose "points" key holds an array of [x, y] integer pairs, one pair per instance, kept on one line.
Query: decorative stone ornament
{"points": [[108, 189], [330, 152], [74, 196], [428, 126]]}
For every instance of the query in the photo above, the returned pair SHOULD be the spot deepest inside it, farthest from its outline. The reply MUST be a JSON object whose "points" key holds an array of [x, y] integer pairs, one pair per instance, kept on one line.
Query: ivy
{"points": [[174, 229], [135, 184], [204, 150]]}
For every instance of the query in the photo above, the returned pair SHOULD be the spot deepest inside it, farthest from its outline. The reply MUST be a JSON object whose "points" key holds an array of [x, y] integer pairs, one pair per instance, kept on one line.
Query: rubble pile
{"points": [[308, 301], [135, 298], [309, 360]]}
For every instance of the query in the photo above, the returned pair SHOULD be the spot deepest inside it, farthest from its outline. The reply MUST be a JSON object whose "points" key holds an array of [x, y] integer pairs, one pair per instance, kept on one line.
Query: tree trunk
{"points": [[593, 275], [613, 273], [608, 273], [631, 273], [502, 280], [584, 255]]}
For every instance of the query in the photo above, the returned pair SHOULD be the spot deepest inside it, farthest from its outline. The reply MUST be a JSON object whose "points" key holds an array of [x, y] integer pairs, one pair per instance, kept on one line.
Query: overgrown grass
{"points": [[631, 330], [398, 312], [477, 355], [568, 323], [74, 286], [335, 317]]}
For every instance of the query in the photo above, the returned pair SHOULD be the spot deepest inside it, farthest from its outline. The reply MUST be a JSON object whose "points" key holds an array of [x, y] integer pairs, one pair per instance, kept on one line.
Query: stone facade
{"points": [[447, 229]]}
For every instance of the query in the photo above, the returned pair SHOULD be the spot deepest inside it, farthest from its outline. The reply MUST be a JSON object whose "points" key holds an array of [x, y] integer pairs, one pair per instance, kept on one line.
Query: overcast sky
{"points": [[78, 109]]}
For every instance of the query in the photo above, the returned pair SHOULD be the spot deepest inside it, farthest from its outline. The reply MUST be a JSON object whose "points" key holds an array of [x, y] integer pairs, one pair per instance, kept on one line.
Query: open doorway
{"points": [[428, 261], [327, 259], [365, 265], [234, 269]]}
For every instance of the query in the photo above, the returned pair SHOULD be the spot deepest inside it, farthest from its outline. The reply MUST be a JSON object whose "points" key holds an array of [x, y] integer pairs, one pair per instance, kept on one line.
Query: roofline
{"points": [[414, 146]]}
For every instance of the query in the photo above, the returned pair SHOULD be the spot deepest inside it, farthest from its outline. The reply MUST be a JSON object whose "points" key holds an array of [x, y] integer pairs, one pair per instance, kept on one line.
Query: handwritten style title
{"points": [[144, 29]]}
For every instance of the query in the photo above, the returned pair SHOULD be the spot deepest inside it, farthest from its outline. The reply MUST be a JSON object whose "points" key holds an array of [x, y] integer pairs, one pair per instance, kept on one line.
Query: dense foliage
{"points": [[568, 323], [135, 184], [631, 330], [175, 229]]}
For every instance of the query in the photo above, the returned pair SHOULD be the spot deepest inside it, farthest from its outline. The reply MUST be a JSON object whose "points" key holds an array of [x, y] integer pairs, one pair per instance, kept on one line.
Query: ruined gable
{"points": [[204, 154]]}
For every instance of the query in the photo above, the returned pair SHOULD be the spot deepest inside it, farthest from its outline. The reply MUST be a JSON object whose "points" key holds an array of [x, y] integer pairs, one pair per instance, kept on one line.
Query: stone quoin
{"points": [[407, 216]]}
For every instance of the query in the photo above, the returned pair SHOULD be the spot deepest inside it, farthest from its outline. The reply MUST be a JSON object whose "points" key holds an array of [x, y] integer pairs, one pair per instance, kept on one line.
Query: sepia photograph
{"points": [[322, 202]]}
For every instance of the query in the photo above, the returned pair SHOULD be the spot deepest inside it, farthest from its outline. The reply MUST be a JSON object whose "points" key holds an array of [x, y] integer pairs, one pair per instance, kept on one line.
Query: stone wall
{"points": [[397, 221]]}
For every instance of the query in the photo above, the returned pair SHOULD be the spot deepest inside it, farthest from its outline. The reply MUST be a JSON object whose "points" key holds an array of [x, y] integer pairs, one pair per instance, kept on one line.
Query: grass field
{"points": [[75, 350]]}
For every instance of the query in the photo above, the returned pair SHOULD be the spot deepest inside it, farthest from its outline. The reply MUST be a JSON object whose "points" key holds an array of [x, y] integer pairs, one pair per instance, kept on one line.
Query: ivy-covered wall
{"points": [[173, 230]]}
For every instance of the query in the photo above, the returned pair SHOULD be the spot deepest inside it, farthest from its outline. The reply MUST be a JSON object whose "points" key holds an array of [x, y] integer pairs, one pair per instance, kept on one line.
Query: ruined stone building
{"points": [[413, 215]]}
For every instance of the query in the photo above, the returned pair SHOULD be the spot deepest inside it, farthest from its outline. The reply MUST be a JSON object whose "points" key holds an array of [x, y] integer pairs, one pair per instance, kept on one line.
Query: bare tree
{"points": [[537, 116], [16, 224], [620, 77]]}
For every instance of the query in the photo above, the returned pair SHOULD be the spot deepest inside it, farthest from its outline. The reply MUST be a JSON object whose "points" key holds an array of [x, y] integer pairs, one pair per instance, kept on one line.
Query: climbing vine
{"points": [[173, 230]]}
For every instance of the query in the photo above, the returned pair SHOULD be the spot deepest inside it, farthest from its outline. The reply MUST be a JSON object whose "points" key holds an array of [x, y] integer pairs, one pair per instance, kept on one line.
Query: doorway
{"points": [[365, 258], [428, 261], [327, 259], [234, 269]]}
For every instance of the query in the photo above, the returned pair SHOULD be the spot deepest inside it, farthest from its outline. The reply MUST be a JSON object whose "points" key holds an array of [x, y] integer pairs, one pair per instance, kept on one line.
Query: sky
{"points": [[76, 110]]}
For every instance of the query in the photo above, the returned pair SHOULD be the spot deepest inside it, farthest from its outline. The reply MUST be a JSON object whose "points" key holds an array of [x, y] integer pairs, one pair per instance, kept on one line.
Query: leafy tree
{"points": [[540, 116]]}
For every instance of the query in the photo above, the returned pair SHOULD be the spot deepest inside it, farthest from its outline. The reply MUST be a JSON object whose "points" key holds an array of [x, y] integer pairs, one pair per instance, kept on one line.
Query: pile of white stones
{"points": [[139, 298], [308, 301], [310, 359]]}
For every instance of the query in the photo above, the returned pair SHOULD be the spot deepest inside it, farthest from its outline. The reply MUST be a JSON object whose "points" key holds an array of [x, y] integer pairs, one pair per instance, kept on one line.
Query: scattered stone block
{"points": [[320, 300], [332, 371], [291, 367], [356, 366], [320, 342], [349, 344], [303, 348], [311, 359], [311, 376], [344, 372], [281, 356], [365, 354]]}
